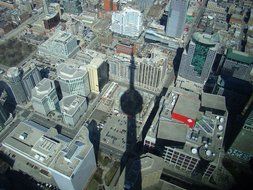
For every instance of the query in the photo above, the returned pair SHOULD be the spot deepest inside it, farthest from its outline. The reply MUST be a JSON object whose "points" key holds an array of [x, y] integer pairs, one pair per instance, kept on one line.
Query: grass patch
{"points": [[14, 51], [110, 174]]}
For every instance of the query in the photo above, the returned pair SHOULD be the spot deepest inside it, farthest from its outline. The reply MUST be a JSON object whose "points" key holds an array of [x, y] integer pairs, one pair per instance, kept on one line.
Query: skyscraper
{"points": [[44, 97], [31, 77], [73, 80], [176, 18], [3, 116], [197, 61], [149, 72], [72, 108], [127, 22], [14, 77]]}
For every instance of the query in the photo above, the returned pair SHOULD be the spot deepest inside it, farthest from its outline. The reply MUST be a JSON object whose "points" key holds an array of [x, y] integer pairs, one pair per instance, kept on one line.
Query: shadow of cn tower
{"points": [[131, 104]]}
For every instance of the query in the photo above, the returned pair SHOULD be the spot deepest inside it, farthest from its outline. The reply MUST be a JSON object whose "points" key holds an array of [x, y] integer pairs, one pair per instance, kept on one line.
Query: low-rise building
{"points": [[113, 121], [50, 157]]}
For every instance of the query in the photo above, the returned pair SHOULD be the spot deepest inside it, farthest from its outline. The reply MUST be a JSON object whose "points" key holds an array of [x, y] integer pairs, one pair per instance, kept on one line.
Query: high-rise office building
{"points": [[3, 116], [61, 45], [197, 61], [238, 65], [149, 72], [14, 77], [73, 80], [22, 81], [44, 97], [176, 18], [241, 149], [127, 22], [31, 77], [97, 66], [50, 157], [72, 6], [98, 74], [72, 108]]}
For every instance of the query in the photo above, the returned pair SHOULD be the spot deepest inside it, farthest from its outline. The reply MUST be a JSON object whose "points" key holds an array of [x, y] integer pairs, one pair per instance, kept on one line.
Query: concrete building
{"points": [[61, 45], [44, 97], [73, 79], [238, 65], [50, 157], [236, 92], [242, 149], [127, 22], [97, 66], [176, 18], [113, 121], [72, 108], [197, 61], [188, 133], [72, 6], [149, 72], [149, 168]]}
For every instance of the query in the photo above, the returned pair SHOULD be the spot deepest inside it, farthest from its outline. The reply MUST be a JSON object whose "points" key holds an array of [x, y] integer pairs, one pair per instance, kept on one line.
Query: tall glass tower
{"points": [[176, 18]]}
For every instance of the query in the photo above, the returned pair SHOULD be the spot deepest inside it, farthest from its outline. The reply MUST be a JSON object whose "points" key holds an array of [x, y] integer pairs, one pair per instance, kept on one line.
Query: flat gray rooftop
{"points": [[172, 131], [213, 101]]}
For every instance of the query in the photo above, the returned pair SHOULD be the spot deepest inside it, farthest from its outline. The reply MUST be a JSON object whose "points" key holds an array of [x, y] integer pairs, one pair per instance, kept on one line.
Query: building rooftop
{"points": [[12, 72], [187, 106], [213, 101], [70, 71], [208, 130], [114, 121], [70, 104], [172, 131], [239, 56], [206, 39], [43, 88], [48, 147]]}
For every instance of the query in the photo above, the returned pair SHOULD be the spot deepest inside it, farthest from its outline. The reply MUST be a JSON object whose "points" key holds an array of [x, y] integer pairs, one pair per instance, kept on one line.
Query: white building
{"points": [[49, 157], [127, 22], [73, 79], [61, 45], [72, 108], [44, 97]]}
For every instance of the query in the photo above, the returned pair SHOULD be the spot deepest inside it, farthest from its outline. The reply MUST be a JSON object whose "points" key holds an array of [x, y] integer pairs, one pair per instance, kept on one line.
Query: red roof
{"points": [[188, 121]]}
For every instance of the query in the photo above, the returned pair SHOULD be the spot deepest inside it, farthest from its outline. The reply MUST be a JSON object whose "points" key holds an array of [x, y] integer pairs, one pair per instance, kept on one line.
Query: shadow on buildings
{"points": [[94, 135], [176, 60], [131, 104], [10, 103]]}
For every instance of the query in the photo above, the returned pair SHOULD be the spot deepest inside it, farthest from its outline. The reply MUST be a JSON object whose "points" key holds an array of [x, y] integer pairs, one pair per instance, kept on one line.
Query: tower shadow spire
{"points": [[131, 104]]}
